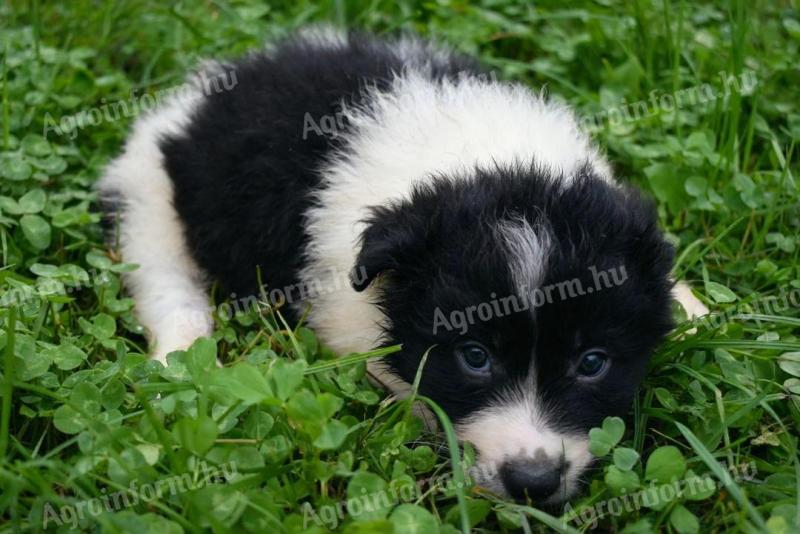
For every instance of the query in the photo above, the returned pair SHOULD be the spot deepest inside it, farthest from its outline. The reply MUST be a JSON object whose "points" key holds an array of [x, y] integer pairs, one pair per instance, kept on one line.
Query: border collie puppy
{"points": [[474, 216]]}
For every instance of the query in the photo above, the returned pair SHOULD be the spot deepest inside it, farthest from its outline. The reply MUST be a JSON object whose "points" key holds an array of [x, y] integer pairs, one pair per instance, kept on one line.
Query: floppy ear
{"points": [[391, 239]]}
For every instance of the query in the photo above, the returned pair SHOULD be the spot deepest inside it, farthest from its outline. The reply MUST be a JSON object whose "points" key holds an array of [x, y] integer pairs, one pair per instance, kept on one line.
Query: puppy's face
{"points": [[542, 298]]}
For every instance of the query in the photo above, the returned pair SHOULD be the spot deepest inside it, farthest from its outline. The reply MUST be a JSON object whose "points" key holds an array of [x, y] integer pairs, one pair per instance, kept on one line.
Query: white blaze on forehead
{"points": [[516, 428], [527, 251]]}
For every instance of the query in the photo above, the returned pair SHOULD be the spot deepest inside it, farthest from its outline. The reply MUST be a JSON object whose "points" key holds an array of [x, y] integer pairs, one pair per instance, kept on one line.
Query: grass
{"points": [[85, 415]]}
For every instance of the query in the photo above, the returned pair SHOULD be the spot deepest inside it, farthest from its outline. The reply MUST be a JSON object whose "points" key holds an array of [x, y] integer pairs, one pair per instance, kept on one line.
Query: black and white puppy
{"points": [[473, 215]]}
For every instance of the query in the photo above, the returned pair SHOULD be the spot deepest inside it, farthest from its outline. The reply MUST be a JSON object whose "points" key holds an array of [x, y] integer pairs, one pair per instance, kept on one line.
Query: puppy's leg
{"points": [[682, 293], [168, 286]]}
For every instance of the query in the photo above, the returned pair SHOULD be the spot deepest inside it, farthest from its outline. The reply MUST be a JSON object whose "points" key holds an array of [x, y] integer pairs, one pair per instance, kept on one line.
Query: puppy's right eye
{"points": [[592, 364], [475, 358]]}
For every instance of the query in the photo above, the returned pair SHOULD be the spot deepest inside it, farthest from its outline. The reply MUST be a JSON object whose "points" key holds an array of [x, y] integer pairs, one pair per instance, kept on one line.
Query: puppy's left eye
{"points": [[592, 364], [475, 357]]}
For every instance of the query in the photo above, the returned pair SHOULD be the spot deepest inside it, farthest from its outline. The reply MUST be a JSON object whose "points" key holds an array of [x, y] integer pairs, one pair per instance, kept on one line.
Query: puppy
{"points": [[473, 216]]}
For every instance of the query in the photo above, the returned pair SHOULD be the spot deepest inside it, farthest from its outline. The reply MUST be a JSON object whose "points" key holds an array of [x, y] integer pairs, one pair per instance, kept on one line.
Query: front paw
{"points": [[692, 305], [178, 331]]}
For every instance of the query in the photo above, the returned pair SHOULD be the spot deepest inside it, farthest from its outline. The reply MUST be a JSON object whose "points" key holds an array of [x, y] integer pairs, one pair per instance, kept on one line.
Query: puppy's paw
{"points": [[691, 304], [178, 331]]}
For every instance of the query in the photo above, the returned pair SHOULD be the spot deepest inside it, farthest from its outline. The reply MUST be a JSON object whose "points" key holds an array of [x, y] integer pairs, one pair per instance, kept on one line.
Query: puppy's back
{"points": [[245, 168]]}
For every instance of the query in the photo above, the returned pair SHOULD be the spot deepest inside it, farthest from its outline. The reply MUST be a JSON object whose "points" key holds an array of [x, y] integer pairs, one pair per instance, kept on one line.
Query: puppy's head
{"points": [[542, 296]]}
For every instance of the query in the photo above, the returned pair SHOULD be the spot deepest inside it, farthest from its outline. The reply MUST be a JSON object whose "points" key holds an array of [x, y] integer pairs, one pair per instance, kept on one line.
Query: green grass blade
{"points": [[722, 475], [455, 460]]}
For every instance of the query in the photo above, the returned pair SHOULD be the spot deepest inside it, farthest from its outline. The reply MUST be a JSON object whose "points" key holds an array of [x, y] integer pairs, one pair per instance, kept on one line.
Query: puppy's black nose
{"points": [[536, 479]]}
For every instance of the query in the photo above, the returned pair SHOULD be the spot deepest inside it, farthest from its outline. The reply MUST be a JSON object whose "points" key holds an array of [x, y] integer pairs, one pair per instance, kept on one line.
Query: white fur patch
{"points": [[168, 287], [418, 128], [682, 293]]}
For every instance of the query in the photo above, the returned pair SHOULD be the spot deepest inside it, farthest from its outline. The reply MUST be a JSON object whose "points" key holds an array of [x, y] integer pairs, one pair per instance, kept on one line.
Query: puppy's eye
{"points": [[592, 364], [475, 357]]}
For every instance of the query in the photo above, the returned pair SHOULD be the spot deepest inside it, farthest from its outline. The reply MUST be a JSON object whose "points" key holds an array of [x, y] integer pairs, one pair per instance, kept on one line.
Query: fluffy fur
{"points": [[438, 189]]}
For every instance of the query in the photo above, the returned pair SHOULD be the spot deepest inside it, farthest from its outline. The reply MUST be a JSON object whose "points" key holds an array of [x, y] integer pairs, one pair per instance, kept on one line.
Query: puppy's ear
{"points": [[650, 252], [390, 242]]}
